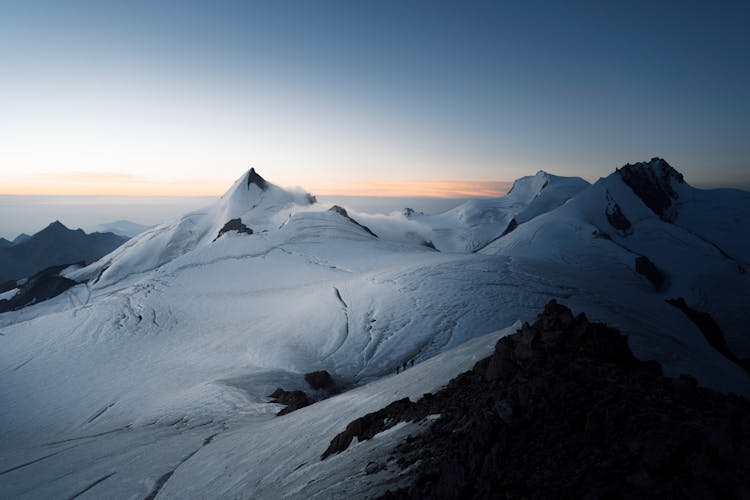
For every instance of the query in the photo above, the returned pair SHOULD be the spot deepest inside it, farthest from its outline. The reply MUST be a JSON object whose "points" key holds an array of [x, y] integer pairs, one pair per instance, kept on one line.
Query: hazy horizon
{"points": [[32, 213]]}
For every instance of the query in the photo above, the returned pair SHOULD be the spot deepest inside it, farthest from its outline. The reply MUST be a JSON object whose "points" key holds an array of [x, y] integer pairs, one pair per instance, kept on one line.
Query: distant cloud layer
{"points": [[436, 189]]}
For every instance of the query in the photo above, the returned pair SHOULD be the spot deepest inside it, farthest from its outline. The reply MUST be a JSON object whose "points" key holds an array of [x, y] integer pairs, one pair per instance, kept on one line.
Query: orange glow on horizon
{"points": [[433, 189], [121, 184]]}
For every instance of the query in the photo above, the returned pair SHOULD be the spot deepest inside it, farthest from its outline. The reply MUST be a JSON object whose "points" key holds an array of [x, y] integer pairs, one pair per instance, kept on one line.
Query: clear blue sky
{"points": [[181, 97]]}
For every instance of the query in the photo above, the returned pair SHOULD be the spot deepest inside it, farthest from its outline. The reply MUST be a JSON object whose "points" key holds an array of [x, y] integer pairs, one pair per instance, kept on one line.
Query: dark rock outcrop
{"points": [[320, 380], [512, 225], [234, 225], [44, 285], [648, 269], [368, 426], [710, 330], [653, 183], [342, 212], [254, 178], [615, 217], [294, 400], [563, 409], [410, 212]]}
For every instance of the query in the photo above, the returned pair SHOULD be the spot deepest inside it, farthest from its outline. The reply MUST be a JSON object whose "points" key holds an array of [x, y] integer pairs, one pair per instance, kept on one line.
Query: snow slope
{"points": [[256, 455]]}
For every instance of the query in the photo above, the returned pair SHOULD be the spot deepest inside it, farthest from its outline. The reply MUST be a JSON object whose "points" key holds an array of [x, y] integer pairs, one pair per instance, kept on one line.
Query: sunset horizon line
{"points": [[133, 186]]}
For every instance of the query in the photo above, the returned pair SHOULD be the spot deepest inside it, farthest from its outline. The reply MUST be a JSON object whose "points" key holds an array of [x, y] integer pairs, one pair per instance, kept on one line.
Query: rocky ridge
{"points": [[563, 409]]}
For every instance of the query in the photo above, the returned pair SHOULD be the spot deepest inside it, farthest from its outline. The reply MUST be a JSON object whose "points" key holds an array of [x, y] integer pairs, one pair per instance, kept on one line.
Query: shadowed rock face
{"points": [[512, 225], [653, 183], [44, 285], [710, 330], [342, 212], [319, 380], [645, 267], [615, 217], [563, 409], [254, 178], [234, 225], [294, 400]]}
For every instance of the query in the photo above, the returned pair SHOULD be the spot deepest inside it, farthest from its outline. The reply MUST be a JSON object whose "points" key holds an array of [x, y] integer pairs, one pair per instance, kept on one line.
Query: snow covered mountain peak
{"points": [[252, 203], [252, 190], [472, 225], [527, 188], [250, 183]]}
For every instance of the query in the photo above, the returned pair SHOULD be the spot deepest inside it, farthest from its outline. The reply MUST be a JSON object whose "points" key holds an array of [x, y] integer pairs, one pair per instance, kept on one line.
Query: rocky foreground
{"points": [[563, 409]]}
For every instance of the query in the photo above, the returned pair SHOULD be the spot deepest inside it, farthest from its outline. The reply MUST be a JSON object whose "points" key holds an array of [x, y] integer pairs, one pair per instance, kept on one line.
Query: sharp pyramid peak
{"points": [[251, 189], [254, 177]]}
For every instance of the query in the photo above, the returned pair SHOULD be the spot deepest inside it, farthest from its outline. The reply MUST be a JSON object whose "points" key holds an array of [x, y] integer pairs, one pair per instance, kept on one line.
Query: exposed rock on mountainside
{"points": [[654, 183], [320, 380], [42, 286], [710, 329], [234, 225], [342, 212], [615, 217], [564, 409], [511, 226], [294, 400], [254, 178], [645, 267]]}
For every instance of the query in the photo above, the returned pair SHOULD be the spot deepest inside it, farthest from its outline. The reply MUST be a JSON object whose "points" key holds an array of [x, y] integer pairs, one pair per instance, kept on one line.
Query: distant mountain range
{"points": [[18, 239], [149, 373], [52, 246]]}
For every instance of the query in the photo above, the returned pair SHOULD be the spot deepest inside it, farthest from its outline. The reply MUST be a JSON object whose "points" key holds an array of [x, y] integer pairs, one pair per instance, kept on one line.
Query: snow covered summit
{"points": [[472, 225], [252, 199]]}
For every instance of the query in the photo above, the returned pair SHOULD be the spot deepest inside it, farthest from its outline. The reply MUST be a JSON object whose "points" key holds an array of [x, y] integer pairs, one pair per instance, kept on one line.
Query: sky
{"points": [[386, 98]]}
